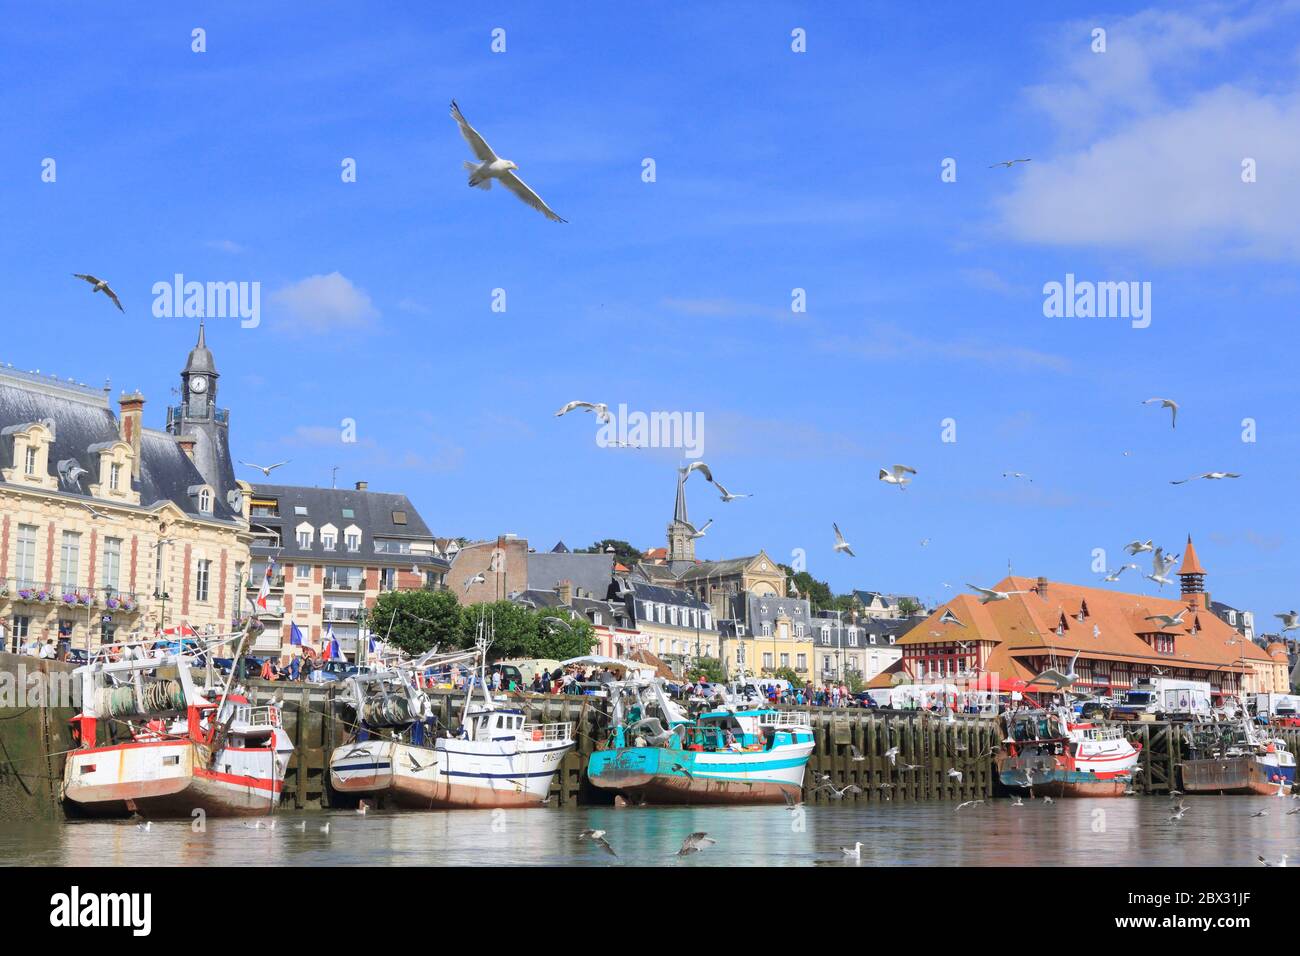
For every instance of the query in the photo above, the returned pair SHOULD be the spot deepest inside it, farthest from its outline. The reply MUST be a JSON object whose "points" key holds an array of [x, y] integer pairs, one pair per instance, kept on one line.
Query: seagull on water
{"points": [[840, 543], [600, 408], [897, 475], [265, 469], [969, 803], [101, 286], [491, 166], [1168, 403], [1281, 862], [992, 595], [1209, 475], [855, 852], [597, 837], [695, 843]]}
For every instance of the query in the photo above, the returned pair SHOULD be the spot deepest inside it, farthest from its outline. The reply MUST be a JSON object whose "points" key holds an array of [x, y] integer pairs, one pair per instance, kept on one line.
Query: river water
{"points": [[1216, 831]]}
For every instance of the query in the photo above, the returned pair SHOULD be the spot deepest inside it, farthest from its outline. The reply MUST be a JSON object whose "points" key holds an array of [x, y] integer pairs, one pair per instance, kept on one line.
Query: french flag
{"points": [[265, 590], [295, 635], [331, 651]]}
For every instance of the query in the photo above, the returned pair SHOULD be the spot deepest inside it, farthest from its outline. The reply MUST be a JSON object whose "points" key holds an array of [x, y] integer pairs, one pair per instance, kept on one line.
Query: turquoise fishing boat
{"points": [[732, 750]]}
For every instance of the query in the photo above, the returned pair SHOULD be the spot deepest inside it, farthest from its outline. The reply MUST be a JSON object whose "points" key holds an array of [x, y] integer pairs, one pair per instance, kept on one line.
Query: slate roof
{"points": [[881, 629], [714, 569], [592, 574], [83, 419], [372, 512]]}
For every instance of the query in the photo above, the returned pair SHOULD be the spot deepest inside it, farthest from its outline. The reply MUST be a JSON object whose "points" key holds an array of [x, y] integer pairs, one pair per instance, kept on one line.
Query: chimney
{"points": [[362, 485], [1041, 586], [129, 423], [187, 443], [565, 590]]}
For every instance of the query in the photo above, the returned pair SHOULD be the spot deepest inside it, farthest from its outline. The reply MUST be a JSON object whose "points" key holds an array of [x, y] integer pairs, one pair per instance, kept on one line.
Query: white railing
{"points": [[793, 718], [549, 732], [250, 716]]}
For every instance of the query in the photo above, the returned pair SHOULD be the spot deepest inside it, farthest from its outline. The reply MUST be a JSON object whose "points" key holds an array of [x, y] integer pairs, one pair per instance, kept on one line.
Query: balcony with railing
{"points": [[19, 592], [346, 614]]}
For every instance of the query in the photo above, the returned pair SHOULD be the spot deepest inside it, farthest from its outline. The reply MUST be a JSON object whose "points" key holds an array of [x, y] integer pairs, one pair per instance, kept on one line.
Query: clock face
{"points": [[198, 385]]}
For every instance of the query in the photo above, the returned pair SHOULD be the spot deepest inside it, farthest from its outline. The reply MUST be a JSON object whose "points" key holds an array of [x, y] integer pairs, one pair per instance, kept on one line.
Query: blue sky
{"points": [[775, 170]]}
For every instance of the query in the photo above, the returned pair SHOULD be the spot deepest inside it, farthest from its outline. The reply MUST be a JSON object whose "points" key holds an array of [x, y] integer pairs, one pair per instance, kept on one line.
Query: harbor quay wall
{"points": [[852, 747]]}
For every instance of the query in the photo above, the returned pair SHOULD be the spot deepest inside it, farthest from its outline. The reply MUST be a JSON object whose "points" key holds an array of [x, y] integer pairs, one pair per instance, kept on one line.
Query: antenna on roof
{"points": [[334, 473]]}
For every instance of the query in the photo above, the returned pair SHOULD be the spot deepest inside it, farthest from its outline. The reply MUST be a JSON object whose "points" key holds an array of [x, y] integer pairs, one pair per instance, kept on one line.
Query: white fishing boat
{"points": [[494, 758], [174, 747]]}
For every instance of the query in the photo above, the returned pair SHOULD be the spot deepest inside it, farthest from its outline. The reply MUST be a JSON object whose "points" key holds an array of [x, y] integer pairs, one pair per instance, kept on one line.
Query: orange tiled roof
{"points": [[1026, 624], [1191, 563]]}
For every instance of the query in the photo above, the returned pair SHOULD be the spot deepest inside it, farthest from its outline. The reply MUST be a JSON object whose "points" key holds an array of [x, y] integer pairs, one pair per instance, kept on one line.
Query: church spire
{"points": [[681, 546], [1192, 576]]}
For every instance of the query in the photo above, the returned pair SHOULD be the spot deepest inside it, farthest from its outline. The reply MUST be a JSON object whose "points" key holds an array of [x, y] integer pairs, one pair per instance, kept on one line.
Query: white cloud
{"points": [[323, 303], [225, 245], [1164, 170]]}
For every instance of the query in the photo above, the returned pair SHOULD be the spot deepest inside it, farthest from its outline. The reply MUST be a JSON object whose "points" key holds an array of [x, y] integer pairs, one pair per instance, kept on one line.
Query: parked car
{"points": [[332, 671], [509, 673], [251, 666]]}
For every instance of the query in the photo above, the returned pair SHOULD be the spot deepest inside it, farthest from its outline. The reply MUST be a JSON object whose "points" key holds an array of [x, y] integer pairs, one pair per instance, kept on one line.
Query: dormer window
{"points": [[205, 496], [29, 462], [352, 540]]}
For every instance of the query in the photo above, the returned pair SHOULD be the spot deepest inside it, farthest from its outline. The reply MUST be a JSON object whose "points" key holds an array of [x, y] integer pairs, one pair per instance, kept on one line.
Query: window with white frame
{"points": [[29, 461], [114, 477], [205, 500], [111, 568], [25, 566], [69, 560], [202, 579]]}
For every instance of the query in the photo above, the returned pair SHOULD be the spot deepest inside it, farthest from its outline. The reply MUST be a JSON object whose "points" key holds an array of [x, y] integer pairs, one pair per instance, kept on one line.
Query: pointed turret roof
{"points": [[201, 359], [679, 510], [1191, 563]]}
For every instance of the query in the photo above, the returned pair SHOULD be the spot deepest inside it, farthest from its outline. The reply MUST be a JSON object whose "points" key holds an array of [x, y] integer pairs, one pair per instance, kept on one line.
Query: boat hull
{"points": [[456, 774], [1055, 778], [661, 775], [167, 779], [1237, 775]]}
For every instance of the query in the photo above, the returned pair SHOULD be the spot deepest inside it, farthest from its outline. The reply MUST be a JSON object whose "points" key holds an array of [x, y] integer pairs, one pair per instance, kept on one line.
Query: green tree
{"points": [[907, 607], [708, 668], [626, 553], [519, 631], [788, 673], [418, 620], [817, 592]]}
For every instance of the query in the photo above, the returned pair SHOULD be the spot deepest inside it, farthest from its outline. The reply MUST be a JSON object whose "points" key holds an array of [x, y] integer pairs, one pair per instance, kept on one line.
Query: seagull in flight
{"points": [[1137, 547], [727, 495], [695, 843], [897, 475], [491, 166], [1167, 622], [1211, 475], [265, 469], [1008, 163], [1114, 575], [1168, 403], [95, 512], [698, 532], [991, 595], [1061, 679], [1017, 474], [600, 408], [597, 837], [1290, 620], [101, 286], [699, 466], [475, 579], [840, 543], [837, 793], [1162, 563]]}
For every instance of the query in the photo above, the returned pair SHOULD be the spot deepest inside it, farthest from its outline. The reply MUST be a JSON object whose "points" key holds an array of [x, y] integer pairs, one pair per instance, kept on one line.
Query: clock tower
{"points": [[198, 417]]}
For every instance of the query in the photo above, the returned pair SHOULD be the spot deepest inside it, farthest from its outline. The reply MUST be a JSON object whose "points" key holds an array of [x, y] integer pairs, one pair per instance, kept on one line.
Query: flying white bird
{"points": [[1017, 474], [840, 543], [475, 579], [992, 595], [1210, 475], [728, 496], [597, 837], [1137, 547], [699, 532], [600, 408], [1290, 620], [699, 466], [94, 512], [1168, 403], [101, 286], [1008, 163], [1160, 579], [1061, 679], [491, 166], [1161, 563], [695, 843], [265, 469], [1166, 621], [1114, 575], [897, 475]]}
